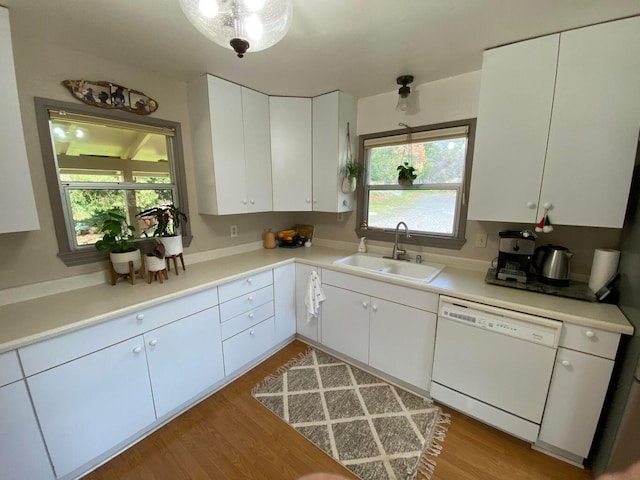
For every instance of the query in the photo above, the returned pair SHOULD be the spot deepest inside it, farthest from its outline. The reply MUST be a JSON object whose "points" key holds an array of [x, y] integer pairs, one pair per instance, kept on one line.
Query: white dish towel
{"points": [[314, 295]]}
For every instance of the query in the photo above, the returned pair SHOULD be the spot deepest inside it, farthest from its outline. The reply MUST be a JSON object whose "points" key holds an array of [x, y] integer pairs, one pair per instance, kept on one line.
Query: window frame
{"points": [[83, 255], [454, 242]]}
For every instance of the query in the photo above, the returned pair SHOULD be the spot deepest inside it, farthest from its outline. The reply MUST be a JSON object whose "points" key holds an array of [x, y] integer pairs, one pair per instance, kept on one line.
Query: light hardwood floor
{"points": [[231, 436]]}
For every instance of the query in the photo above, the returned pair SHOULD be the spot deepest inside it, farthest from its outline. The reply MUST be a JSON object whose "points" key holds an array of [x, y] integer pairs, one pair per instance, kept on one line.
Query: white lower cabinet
{"points": [[248, 345], [22, 452], [185, 358], [92, 404], [578, 387], [401, 342], [306, 326], [345, 322], [284, 297]]}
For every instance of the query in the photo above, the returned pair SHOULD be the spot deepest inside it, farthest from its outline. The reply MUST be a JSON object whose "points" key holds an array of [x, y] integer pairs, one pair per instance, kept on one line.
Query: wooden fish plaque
{"points": [[109, 95]]}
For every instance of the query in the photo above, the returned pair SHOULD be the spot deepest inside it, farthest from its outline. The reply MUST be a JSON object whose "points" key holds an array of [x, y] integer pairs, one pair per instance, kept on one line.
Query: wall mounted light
{"points": [[241, 25], [403, 92]]}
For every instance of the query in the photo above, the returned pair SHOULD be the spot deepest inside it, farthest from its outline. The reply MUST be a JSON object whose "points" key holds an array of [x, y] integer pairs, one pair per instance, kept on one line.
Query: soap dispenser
{"points": [[362, 248]]}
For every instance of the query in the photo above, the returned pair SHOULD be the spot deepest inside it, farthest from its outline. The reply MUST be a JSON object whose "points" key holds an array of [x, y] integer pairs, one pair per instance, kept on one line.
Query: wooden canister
{"points": [[269, 239]]}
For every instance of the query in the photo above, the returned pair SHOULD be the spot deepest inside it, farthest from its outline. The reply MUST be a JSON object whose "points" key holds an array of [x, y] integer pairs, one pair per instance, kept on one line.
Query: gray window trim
{"points": [[454, 242], [89, 254]]}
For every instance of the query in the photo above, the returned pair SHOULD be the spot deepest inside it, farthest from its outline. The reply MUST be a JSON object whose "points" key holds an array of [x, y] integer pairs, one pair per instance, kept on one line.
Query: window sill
{"points": [[415, 239]]}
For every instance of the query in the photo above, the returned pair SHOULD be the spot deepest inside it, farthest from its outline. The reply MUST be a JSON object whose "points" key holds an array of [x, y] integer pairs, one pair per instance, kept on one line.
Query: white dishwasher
{"points": [[494, 364]]}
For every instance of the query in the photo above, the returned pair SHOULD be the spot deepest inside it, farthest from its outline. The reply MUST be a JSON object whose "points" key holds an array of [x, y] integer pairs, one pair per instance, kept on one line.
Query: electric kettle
{"points": [[552, 264]]}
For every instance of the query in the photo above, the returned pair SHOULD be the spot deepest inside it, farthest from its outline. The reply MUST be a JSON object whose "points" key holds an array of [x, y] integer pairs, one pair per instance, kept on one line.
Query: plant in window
{"points": [[167, 220], [117, 237], [406, 174]]}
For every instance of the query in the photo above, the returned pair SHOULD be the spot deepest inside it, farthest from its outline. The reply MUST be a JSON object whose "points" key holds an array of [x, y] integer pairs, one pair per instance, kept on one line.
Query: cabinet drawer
{"points": [[58, 350], [246, 320], [248, 345], [246, 302], [9, 368], [394, 293], [244, 285], [589, 340]]}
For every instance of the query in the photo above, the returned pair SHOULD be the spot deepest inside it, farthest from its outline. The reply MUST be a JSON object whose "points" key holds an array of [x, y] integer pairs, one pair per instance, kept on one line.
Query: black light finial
{"points": [[240, 46]]}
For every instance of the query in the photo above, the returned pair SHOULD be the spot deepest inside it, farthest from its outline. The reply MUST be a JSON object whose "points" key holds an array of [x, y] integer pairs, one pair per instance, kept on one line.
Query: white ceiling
{"points": [[358, 46]]}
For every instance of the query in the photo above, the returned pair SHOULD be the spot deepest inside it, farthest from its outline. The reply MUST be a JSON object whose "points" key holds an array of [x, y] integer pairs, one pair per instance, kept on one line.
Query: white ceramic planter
{"points": [[155, 264], [172, 245], [121, 261], [349, 185]]}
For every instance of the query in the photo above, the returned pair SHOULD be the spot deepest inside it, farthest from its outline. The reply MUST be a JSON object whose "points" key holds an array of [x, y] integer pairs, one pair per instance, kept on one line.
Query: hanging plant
{"points": [[406, 174], [352, 169]]}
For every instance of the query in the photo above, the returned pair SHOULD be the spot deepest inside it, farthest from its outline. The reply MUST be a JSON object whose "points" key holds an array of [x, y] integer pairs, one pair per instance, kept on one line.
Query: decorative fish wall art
{"points": [[110, 95]]}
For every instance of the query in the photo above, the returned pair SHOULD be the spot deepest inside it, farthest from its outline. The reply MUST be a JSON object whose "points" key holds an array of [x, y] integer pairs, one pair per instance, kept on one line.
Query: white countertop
{"points": [[30, 321]]}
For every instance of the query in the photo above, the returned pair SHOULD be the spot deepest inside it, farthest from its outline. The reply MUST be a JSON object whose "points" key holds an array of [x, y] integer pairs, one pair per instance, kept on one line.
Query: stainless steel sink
{"points": [[422, 272]]}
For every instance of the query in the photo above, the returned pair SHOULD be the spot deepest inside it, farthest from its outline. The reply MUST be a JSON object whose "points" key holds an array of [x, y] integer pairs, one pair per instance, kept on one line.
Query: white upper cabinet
{"points": [[584, 95], [333, 113], [291, 153], [595, 123], [230, 151], [516, 95], [15, 179]]}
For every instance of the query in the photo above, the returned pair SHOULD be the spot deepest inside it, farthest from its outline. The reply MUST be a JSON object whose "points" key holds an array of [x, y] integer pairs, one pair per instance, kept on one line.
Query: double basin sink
{"points": [[421, 272]]}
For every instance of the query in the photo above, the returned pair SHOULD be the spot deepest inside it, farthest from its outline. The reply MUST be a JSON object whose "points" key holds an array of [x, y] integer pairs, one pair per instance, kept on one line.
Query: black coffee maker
{"points": [[514, 255]]}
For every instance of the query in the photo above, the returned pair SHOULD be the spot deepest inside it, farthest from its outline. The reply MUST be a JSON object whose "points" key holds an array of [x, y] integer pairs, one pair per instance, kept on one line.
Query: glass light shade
{"points": [[262, 23], [403, 103]]}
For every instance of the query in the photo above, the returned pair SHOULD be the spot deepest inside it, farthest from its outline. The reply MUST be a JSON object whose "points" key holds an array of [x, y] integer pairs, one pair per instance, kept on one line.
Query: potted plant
{"points": [[406, 174], [117, 237], [155, 258], [168, 220], [351, 172]]}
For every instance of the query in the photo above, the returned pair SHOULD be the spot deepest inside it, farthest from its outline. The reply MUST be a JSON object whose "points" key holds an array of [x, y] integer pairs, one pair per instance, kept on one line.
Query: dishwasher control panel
{"points": [[546, 332]]}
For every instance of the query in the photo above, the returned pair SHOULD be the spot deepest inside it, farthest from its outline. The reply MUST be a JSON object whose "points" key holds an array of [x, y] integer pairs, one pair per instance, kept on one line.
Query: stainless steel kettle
{"points": [[553, 264]]}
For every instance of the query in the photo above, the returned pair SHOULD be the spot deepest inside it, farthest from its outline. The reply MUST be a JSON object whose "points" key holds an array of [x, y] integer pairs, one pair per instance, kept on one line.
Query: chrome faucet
{"points": [[395, 255]]}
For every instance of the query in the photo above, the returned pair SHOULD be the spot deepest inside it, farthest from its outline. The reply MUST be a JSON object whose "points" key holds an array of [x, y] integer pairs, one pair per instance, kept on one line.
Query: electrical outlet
{"points": [[234, 230], [481, 240], [340, 217]]}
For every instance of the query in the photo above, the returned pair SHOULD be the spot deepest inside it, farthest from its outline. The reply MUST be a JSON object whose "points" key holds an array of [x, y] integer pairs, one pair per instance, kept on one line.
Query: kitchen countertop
{"points": [[30, 321]]}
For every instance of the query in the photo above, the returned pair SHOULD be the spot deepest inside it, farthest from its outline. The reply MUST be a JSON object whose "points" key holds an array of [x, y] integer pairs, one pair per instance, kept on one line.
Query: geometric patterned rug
{"points": [[376, 430]]}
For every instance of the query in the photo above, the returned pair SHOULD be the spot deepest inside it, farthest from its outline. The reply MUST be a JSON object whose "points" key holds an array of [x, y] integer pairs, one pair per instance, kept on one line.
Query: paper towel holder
{"points": [[608, 293]]}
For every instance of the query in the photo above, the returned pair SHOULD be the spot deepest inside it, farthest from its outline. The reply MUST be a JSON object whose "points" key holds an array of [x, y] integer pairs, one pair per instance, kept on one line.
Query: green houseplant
{"points": [[118, 239], [352, 171], [165, 220], [406, 174]]}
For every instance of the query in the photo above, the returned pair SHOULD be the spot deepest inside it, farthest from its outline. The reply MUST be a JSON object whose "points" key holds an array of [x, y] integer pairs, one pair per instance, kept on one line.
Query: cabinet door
{"points": [[291, 153], [22, 452], [306, 326], [257, 150], [402, 341], [15, 179], [345, 322], [284, 296], [578, 387], [89, 405], [185, 358], [594, 128], [516, 95]]}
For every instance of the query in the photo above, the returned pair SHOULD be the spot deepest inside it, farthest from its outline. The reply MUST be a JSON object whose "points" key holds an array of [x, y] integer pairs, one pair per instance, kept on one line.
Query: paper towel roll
{"points": [[605, 264]]}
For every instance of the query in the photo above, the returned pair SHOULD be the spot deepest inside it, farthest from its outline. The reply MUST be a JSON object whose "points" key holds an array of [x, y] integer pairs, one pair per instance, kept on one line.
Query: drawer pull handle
{"points": [[140, 316], [252, 332], [590, 333], [250, 315], [566, 363], [153, 342], [249, 280], [137, 350], [250, 298]]}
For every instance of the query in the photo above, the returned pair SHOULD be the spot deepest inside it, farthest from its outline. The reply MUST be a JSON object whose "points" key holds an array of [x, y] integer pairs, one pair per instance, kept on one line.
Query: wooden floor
{"points": [[231, 436]]}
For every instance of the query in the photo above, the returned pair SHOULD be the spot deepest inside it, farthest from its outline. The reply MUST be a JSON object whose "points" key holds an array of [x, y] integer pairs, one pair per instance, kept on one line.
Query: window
{"points": [[434, 206], [98, 160]]}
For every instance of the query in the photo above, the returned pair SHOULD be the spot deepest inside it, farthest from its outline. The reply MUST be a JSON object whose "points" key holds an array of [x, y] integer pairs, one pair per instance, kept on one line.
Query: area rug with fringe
{"points": [[373, 428]]}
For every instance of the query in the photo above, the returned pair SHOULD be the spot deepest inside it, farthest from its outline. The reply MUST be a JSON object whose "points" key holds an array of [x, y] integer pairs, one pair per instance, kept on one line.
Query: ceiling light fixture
{"points": [[403, 92], [241, 25]]}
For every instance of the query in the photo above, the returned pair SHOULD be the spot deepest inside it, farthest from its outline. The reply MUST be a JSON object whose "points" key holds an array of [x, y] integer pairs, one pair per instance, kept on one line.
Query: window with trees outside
{"points": [[98, 161], [429, 195]]}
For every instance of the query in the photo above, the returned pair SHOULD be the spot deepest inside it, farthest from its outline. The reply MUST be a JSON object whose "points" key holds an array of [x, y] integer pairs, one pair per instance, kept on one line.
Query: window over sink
{"points": [[434, 205], [99, 160]]}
